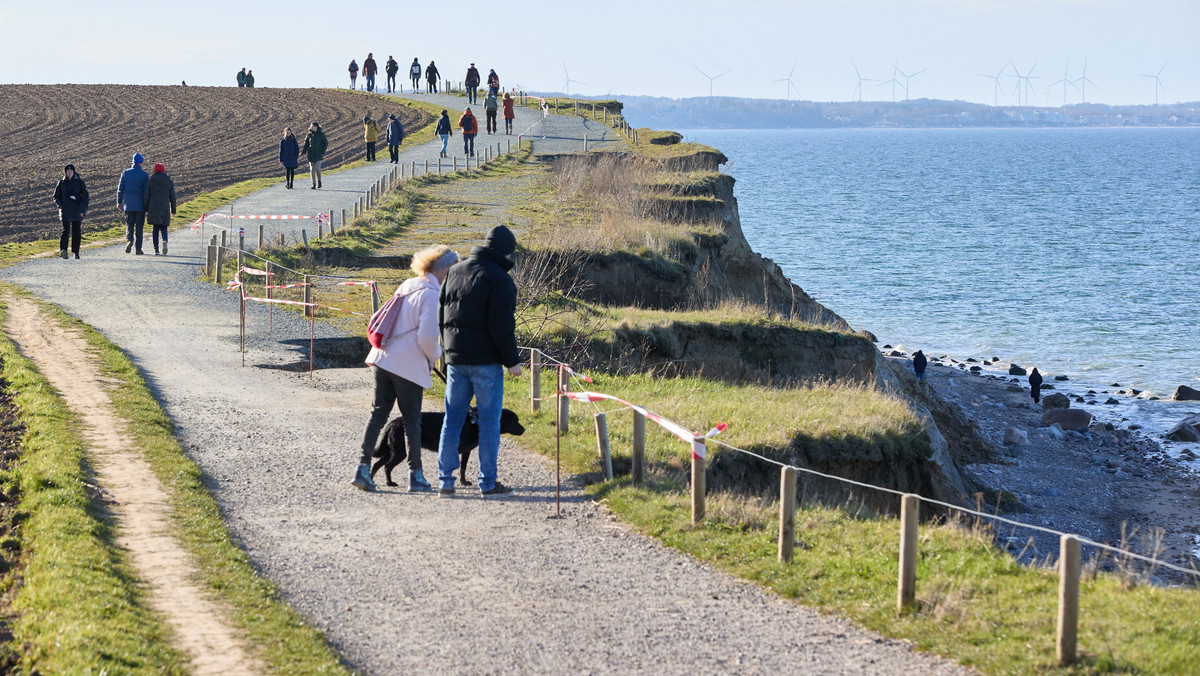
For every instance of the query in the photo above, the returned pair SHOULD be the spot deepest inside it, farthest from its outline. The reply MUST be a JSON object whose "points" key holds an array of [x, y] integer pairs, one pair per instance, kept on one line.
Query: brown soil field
{"points": [[208, 138]]}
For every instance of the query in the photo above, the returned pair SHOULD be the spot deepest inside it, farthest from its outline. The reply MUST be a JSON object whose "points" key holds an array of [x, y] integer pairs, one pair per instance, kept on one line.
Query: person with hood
{"points": [[509, 113], [371, 134], [919, 362], [314, 148], [493, 82], [160, 204], [443, 130], [431, 79], [369, 69], [1035, 385], [241, 78], [470, 126], [130, 191], [71, 196], [490, 106], [353, 73], [250, 79], [476, 316], [289, 155], [414, 74], [401, 366], [395, 136], [391, 68], [472, 83]]}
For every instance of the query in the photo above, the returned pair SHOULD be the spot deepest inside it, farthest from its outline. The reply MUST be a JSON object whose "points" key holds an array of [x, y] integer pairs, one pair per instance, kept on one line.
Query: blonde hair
{"points": [[423, 260]]}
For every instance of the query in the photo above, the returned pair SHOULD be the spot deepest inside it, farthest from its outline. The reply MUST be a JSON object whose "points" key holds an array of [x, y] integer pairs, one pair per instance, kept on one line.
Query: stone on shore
{"points": [[1056, 400], [1061, 378], [1067, 418], [1015, 437], [1185, 393], [1056, 432], [1111, 400], [1014, 370], [1184, 432], [1015, 388]]}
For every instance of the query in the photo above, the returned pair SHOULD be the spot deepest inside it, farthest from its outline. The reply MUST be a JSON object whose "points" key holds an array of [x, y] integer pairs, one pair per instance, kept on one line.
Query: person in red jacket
{"points": [[470, 126], [509, 114]]}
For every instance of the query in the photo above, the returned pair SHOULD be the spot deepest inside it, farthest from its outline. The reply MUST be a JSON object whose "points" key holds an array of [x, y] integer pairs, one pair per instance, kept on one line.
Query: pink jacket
{"points": [[411, 354]]}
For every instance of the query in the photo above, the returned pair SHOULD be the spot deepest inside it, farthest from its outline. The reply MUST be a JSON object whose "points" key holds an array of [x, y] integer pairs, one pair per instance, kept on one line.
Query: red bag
{"points": [[383, 322]]}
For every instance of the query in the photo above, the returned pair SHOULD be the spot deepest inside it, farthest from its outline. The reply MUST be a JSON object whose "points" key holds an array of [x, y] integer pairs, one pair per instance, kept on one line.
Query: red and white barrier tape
{"points": [[696, 440], [320, 218]]}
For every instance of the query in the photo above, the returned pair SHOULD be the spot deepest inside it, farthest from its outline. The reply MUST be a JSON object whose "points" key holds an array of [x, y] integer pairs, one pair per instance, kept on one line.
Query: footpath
{"points": [[400, 582]]}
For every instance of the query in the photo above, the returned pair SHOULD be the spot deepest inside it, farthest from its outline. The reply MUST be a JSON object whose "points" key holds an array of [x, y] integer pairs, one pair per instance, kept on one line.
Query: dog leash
{"points": [[439, 374]]}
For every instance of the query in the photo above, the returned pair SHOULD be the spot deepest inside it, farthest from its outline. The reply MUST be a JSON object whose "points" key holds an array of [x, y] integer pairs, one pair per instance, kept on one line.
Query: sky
{"points": [[624, 47]]}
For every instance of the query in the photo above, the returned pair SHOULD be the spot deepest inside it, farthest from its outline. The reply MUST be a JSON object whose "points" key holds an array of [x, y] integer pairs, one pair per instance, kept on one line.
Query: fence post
{"points": [[456, 164], [374, 299], [787, 513], [564, 404], [209, 257], [509, 144], [320, 230], [260, 235], [698, 483], [439, 165], [910, 506], [426, 166], [331, 222], [585, 143], [282, 240], [602, 445], [307, 297], [639, 446], [304, 236], [220, 260], [1068, 597], [535, 380]]}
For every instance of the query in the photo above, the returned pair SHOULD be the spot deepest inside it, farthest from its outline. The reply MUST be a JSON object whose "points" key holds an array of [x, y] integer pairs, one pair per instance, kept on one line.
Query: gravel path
{"points": [[400, 582]]}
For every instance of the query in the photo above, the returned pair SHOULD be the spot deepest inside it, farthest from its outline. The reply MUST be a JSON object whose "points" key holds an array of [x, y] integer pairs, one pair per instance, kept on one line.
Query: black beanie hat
{"points": [[501, 240], [71, 167]]}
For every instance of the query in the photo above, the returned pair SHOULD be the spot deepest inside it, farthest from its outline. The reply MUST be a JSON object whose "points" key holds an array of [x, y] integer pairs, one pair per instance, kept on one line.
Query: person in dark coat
{"points": [[391, 68], [353, 73], [414, 74], [250, 79], [919, 363], [493, 82], [470, 126], [289, 155], [476, 316], [472, 83], [369, 69], [130, 199], [1035, 385], [160, 204], [315, 145], [431, 78], [444, 130], [395, 136], [241, 78], [71, 196]]}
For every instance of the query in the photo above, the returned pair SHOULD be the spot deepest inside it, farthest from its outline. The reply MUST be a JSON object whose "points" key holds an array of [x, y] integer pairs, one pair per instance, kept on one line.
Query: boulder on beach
{"points": [[1184, 432], [1056, 432], [1061, 378], [1015, 388], [1067, 418], [1185, 393], [1056, 400], [1015, 437], [1111, 400], [1014, 370]]}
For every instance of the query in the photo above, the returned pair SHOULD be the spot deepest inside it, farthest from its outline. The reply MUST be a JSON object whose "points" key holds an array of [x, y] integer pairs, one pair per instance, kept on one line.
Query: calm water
{"points": [[1077, 251]]}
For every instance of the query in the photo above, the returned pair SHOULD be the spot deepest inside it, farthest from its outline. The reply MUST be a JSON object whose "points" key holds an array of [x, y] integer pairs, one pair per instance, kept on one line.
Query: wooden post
{"points": [[602, 445], [270, 294], [698, 485], [320, 230], [374, 299], [307, 297], [401, 172], [304, 236], [413, 170], [509, 144], [564, 403], [639, 446], [330, 217], [210, 259], [585, 143], [910, 506], [787, 513], [439, 165], [282, 241], [220, 260], [535, 380], [456, 164], [427, 166], [1068, 598], [224, 233], [260, 235]]}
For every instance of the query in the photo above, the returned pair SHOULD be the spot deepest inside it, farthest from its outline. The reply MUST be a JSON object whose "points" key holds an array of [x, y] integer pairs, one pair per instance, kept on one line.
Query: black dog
{"points": [[393, 450]]}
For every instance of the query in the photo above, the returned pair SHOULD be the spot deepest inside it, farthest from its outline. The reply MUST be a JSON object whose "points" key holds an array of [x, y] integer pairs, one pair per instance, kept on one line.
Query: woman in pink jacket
{"points": [[401, 367]]}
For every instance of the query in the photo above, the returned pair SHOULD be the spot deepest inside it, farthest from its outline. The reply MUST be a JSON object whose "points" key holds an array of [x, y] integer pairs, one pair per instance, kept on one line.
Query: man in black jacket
{"points": [[476, 316], [471, 82]]}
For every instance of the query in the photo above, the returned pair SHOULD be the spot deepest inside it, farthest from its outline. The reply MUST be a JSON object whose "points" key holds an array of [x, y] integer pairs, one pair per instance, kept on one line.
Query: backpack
{"points": [[383, 322]]}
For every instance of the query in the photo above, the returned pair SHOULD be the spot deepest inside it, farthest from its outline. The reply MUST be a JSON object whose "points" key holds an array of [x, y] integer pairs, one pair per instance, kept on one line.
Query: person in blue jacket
{"points": [[129, 199], [395, 136], [289, 155], [71, 196]]}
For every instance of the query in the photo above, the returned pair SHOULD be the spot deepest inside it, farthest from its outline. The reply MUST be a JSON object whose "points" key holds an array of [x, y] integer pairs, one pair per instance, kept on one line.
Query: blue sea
{"points": [[1073, 250]]}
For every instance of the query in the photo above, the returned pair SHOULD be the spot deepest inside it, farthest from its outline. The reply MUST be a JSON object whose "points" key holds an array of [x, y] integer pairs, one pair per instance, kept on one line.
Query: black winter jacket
{"points": [[71, 196], [443, 126], [159, 199], [476, 314]]}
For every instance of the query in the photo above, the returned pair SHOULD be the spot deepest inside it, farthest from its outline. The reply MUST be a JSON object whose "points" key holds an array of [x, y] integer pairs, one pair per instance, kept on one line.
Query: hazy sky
{"points": [[626, 47]]}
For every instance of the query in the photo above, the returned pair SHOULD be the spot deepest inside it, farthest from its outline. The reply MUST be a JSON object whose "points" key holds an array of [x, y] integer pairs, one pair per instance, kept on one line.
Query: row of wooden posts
{"points": [[1069, 564]]}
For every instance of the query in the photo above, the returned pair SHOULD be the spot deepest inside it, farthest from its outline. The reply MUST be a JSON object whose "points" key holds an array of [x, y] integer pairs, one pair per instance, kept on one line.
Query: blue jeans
{"points": [[486, 384], [370, 83], [445, 140]]}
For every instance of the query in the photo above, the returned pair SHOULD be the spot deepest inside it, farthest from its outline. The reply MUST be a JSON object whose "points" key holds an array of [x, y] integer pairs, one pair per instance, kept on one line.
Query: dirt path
{"points": [[140, 504]]}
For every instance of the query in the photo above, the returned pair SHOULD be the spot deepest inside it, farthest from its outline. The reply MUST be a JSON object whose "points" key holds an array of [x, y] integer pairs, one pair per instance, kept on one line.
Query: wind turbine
{"points": [[1158, 82], [861, 79], [1083, 81], [1065, 82], [1025, 80], [710, 79], [906, 79], [894, 81], [788, 79], [567, 83], [997, 88]]}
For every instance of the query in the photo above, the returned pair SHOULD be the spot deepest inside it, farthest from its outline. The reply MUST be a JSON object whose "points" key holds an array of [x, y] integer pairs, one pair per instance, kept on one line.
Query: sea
{"points": [[1073, 250]]}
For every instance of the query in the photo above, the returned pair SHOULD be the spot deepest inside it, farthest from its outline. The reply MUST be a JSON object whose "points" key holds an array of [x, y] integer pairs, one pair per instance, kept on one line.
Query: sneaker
{"points": [[417, 483], [76, 255], [128, 247], [362, 479], [164, 248], [139, 252], [63, 253], [497, 490], [446, 492]]}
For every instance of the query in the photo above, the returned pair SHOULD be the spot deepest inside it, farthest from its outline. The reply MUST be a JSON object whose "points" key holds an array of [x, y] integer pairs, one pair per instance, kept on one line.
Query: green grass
{"points": [[78, 605]]}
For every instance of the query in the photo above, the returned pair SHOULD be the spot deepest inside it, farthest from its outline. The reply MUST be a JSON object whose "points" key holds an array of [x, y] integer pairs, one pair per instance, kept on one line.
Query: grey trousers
{"points": [[314, 168], [391, 389]]}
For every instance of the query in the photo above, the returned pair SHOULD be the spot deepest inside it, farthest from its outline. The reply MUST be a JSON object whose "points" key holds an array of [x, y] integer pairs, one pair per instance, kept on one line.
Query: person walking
{"points": [[250, 79], [71, 196], [369, 69], [414, 74], [160, 204], [470, 126], [391, 68], [919, 363], [315, 144], [472, 83], [401, 366], [289, 156], [395, 136], [353, 73], [493, 82], [476, 315], [241, 78], [371, 135], [1035, 385], [431, 78], [509, 113], [443, 130], [130, 199], [490, 106]]}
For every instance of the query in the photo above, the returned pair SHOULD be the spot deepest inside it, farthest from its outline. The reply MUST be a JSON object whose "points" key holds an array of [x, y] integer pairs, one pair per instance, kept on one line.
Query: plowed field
{"points": [[208, 138]]}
